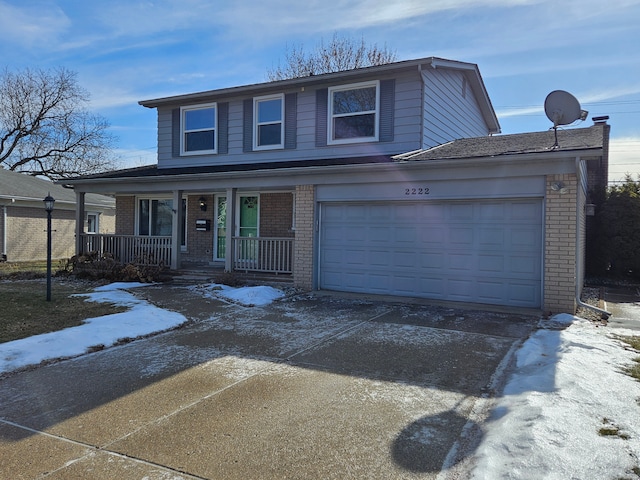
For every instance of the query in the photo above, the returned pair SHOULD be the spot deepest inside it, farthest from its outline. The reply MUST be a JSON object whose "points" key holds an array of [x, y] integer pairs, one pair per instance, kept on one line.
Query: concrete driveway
{"points": [[312, 387]]}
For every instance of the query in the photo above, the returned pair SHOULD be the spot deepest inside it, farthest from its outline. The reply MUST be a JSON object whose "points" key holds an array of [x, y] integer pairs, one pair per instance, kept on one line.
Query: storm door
{"points": [[220, 237], [248, 211]]}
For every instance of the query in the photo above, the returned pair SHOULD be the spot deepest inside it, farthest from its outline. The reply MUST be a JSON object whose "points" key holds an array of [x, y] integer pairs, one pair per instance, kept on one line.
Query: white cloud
{"points": [[31, 25], [624, 157]]}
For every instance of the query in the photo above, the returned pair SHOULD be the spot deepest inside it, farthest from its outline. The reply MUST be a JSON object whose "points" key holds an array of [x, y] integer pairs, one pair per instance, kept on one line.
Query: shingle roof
{"points": [[19, 186], [521, 143], [154, 171]]}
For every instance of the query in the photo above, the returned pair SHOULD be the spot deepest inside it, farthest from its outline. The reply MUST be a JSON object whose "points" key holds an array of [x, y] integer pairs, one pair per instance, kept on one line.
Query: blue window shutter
{"points": [[223, 128], [321, 117], [387, 109], [175, 132], [247, 125], [290, 120]]}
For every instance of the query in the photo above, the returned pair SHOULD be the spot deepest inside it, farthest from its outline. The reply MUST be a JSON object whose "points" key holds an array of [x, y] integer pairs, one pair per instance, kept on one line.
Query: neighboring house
{"points": [[23, 219], [383, 180]]}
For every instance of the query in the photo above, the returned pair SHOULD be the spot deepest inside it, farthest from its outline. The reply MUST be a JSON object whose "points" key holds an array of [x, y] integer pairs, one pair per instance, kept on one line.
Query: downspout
{"points": [[4, 232], [605, 315]]}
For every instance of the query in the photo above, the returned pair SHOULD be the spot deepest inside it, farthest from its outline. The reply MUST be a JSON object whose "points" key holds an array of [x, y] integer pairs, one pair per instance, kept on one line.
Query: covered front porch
{"points": [[236, 231], [250, 254]]}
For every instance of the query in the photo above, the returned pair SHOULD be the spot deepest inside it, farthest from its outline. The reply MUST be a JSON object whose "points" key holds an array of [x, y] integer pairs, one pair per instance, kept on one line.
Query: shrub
{"points": [[94, 266]]}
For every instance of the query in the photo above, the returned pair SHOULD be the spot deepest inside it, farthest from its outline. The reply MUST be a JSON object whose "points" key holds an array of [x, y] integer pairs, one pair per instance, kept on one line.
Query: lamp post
{"points": [[48, 206]]}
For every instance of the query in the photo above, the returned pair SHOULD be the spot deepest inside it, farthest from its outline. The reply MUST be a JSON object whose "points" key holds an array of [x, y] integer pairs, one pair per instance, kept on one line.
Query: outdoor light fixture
{"points": [[203, 204], [48, 206], [559, 187]]}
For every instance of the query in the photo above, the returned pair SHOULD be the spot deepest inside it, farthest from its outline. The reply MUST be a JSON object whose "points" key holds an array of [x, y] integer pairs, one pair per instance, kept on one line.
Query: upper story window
{"points": [[269, 122], [199, 129], [353, 113]]}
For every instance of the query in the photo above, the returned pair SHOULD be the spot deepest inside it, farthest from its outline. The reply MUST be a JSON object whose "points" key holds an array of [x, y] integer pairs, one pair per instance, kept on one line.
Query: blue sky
{"points": [[130, 50]]}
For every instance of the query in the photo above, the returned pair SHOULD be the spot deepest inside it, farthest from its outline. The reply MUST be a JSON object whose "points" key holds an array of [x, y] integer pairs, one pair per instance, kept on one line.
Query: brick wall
{"points": [[303, 255], [276, 215], [560, 246], [27, 234], [125, 215]]}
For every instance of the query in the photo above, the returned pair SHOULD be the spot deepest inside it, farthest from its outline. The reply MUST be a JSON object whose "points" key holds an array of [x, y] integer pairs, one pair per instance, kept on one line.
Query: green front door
{"points": [[248, 226]]}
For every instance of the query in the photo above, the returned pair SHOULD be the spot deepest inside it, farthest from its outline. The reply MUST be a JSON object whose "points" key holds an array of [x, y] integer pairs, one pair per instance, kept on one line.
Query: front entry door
{"points": [[248, 212], [220, 238]]}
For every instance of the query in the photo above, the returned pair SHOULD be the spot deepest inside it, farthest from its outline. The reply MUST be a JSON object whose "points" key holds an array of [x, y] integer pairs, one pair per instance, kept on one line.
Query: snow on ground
{"points": [[566, 390], [141, 319], [247, 296]]}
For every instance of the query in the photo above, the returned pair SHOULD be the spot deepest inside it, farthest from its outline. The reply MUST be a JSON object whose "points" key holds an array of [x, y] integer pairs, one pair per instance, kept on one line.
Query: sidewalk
{"points": [[623, 303]]}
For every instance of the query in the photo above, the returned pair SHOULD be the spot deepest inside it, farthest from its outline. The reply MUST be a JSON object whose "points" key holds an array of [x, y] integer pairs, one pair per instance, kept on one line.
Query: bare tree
{"points": [[339, 54], [46, 129]]}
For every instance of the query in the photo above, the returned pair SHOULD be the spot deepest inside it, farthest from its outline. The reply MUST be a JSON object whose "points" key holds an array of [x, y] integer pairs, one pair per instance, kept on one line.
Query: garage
{"points": [[480, 251]]}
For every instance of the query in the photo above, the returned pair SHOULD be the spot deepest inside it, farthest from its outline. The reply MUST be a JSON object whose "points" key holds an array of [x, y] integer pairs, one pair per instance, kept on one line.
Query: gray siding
{"points": [[403, 130], [450, 108]]}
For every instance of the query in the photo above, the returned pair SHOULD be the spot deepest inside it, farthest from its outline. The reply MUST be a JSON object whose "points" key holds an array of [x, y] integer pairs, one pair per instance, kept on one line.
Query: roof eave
{"points": [[324, 78]]}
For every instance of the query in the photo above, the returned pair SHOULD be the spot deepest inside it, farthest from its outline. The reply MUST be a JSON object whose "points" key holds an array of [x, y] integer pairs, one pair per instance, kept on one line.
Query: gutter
{"points": [[605, 314], [519, 159]]}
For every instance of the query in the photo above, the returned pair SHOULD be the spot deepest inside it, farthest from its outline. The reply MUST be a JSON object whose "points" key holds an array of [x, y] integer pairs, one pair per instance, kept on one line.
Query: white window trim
{"points": [[162, 197], [97, 215], [376, 112], [183, 151], [256, 124]]}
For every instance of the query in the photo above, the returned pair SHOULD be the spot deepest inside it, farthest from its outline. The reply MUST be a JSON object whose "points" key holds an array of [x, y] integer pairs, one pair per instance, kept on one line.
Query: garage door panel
{"points": [[461, 237], [459, 289], [460, 211], [486, 252], [522, 294], [491, 237], [405, 235], [491, 264], [525, 238], [524, 265], [460, 262]]}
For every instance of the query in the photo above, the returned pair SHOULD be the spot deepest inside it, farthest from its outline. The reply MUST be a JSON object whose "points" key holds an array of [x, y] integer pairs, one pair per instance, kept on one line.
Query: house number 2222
{"points": [[416, 191]]}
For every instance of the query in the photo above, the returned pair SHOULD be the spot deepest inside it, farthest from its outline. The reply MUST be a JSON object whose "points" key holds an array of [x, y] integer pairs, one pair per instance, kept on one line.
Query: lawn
{"points": [[24, 310]]}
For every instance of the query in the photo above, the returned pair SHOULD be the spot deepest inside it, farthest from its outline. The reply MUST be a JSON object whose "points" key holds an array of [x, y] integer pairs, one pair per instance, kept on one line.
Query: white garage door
{"points": [[480, 251]]}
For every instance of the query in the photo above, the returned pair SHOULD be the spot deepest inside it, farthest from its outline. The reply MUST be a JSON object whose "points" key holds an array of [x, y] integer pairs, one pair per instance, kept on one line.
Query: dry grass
{"points": [[24, 310], [634, 342]]}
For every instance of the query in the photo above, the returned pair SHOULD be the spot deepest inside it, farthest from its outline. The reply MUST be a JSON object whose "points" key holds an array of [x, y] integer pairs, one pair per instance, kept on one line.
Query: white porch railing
{"points": [[256, 254], [142, 250]]}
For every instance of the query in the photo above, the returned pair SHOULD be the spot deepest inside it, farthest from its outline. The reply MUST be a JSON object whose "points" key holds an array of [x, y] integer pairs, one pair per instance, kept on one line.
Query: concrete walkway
{"points": [[624, 305], [312, 387]]}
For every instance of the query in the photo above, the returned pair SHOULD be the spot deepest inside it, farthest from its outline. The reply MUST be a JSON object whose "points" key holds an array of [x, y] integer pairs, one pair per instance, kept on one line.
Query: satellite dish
{"points": [[562, 108]]}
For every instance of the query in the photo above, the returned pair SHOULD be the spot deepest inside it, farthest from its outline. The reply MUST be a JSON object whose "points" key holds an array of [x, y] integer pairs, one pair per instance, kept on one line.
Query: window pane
{"points": [[200, 141], [270, 111], [200, 119], [353, 101], [143, 218], [161, 217], [354, 126], [269, 134]]}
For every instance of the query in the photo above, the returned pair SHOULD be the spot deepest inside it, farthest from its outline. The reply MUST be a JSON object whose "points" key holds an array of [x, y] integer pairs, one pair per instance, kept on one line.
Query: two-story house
{"points": [[384, 180]]}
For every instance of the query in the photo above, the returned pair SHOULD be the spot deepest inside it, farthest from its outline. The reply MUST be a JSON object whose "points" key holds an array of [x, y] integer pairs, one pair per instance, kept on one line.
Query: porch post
{"points": [[230, 229], [79, 221], [175, 229]]}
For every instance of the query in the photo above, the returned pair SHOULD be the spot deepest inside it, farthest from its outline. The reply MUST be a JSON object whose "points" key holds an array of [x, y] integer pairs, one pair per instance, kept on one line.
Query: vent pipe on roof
{"points": [[600, 120]]}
